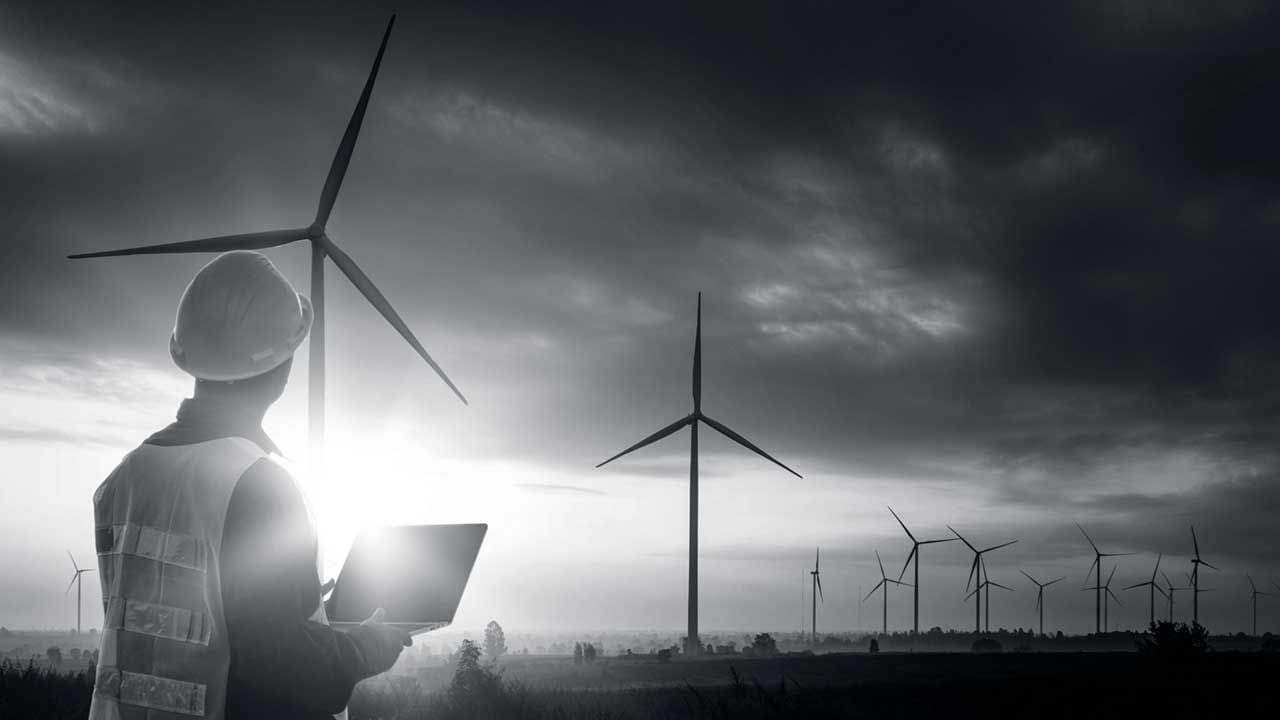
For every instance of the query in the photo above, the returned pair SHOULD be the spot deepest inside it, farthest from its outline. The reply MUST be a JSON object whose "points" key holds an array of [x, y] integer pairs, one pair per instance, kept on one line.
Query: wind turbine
{"points": [[817, 593], [1253, 597], [322, 246], [985, 587], [1106, 605], [1169, 587], [1196, 562], [1097, 586], [980, 568], [884, 583], [692, 420], [75, 580], [1040, 586], [915, 554], [1154, 588]]}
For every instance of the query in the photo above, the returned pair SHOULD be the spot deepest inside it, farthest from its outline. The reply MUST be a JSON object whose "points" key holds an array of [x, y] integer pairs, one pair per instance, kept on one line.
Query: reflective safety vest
{"points": [[159, 520]]}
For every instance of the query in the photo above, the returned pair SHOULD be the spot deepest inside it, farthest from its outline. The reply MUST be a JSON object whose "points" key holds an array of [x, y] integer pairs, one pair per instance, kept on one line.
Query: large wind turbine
{"points": [[1154, 588], [1107, 593], [1253, 597], [980, 568], [322, 246], [884, 583], [915, 554], [1040, 586], [1097, 585], [1196, 562], [817, 592], [691, 420], [75, 580]]}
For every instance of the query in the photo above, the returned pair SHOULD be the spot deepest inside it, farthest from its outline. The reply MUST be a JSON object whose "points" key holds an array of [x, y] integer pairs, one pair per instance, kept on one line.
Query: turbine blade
{"points": [[1141, 584], [222, 243], [652, 438], [77, 567], [338, 170], [1211, 567], [975, 592], [73, 582], [882, 575], [380, 303], [817, 557], [818, 577], [966, 542], [697, 359], [1113, 595], [1039, 599], [972, 569], [1092, 565], [907, 564], [1250, 579], [996, 584], [1157, 589], [1157, 567], [873, 591], [1195, 543], [997, 547], [1024, 572], [1167, 581], [1113, 574], [1054, 581], [931, 542], [904, 525], [745, 443], [1086, 537]]}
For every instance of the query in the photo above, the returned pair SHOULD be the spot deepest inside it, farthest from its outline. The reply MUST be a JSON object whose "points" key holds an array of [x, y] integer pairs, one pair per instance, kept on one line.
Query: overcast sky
{"points": [[1000, 266]]}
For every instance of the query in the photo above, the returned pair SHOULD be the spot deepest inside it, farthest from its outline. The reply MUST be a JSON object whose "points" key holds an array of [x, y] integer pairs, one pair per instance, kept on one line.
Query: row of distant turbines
{"points": [[979, 584]]}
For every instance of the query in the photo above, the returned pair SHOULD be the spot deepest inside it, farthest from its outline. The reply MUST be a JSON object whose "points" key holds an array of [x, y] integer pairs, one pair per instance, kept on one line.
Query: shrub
{"points": [[764, 644], [874, 646], [986, 645]]}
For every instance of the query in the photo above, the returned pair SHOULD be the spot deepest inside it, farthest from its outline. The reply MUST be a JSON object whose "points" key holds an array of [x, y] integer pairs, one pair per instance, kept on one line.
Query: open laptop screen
{"points": [[415, 572]]}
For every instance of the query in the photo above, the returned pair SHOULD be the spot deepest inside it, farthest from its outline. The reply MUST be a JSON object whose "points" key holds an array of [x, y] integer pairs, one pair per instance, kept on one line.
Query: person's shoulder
{"points": [[268, 478]]}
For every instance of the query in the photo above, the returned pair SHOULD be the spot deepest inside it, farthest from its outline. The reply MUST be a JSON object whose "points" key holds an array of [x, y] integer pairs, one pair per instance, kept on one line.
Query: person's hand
{"points": [[384, 643]]}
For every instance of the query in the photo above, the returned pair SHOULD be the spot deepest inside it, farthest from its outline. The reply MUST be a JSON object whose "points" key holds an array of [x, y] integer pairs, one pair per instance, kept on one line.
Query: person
{"points": [[206, 549]]}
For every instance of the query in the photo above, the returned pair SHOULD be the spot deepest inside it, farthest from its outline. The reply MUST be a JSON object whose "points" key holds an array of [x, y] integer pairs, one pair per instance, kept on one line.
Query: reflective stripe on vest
{"points": [[149, 691], [158, 620]]}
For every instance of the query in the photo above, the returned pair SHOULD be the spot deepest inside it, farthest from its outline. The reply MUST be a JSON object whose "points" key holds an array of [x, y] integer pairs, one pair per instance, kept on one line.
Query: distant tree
{"points": [[55, 655], [495, 641], [589, 653], [873, 647], [664, 655], [764, 644], [1173, 640], [577, 653], [472, 682], [75, 653]]}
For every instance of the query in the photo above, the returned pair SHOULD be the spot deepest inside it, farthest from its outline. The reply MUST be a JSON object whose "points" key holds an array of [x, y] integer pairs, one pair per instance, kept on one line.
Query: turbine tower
{"points": [[75, 580], [691, 420], [1253, 597], [1154, 588], [1040, 586], [884, 583], [980, 569], [1097, 585], [985, 587], [322, 246], [1106, 593], [1196, 562], [817, 593], [915, 554]]}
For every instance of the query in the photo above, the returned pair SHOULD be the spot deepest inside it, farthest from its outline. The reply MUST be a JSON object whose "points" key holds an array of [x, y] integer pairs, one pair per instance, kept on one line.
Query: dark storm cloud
{"points": [[1034, 240]]}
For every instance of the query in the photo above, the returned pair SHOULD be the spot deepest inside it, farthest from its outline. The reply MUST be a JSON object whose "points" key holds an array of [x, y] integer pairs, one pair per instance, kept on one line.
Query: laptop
{"points": [[415, 572]]}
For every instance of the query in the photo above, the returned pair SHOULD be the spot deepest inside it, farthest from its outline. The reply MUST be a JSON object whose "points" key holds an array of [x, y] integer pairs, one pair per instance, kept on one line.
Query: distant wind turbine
{"points": [[883, 585], [1040, 586], [1097, 585], [691, 420], [1170, 589], [322, 246], [985, 587], [75, 580], [1253, 597], [1107, 593], [1196, 562], [1154, 588], [980, 569], [817, 592], [915, 555]]}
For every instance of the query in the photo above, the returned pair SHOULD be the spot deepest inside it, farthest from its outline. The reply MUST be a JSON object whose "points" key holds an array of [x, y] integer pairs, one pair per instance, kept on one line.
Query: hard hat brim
{"points": [[251, 365]]}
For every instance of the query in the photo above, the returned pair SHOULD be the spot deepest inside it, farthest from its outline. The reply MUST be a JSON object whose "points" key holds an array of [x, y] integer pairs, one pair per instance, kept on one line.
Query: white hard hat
{"points": [[238, 318]]}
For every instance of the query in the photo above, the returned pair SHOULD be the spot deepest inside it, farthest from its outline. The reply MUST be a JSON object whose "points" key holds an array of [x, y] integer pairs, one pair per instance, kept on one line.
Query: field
{"points": [[888, 684]]}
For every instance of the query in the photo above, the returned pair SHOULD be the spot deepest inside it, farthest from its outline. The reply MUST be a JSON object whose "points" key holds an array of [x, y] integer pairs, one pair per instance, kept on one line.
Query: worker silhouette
{"points": [[206, 551]]}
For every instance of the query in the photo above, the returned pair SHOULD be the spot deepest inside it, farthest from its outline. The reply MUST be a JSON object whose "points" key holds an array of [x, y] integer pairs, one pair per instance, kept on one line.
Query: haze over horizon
{"points": [[1007, 268]]}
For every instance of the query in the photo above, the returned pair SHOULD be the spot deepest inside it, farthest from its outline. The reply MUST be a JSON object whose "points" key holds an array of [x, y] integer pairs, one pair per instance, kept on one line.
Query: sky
{"points": [[1004, 267]]}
